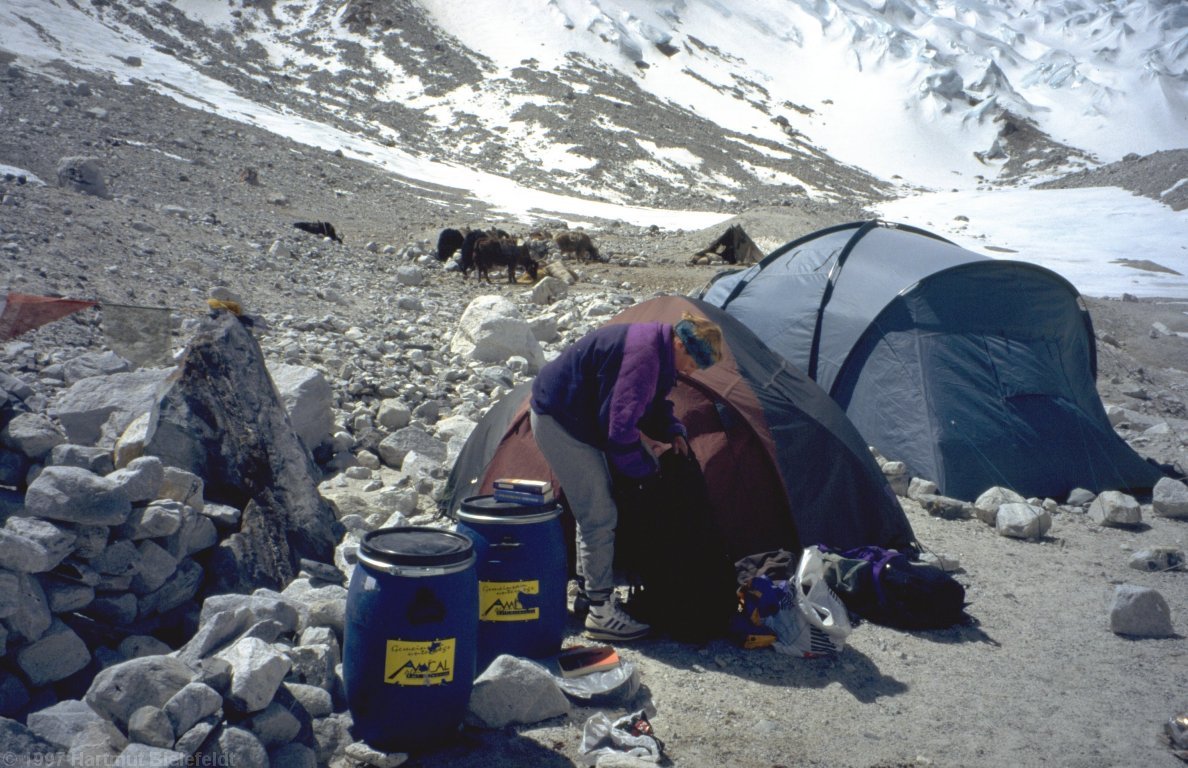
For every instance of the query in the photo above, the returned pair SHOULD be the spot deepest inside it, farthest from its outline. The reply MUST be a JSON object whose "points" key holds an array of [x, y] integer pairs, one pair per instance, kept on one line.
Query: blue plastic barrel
{"points": [[410, 637], [521, 575]]}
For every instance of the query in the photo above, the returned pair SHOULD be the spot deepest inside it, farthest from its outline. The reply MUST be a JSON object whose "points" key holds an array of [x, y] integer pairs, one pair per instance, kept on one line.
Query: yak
{"points": [[321, 228]]}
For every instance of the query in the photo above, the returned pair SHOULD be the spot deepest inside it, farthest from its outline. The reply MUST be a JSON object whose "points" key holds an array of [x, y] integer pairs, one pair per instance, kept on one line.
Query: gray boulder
{"points": [[26, 610], [141, 480], [160, 518], [119, 690], [309, 400], [75, 495], [1020, 520], [1114, 508], [318, 606], [395, 447], [1140, 612], [30, 545], [21, 747], [98, 743], [56, 655], [986, 506], [515, 691], [100, 408], [31, 434], [194, 703], [1169, 498], [491, 330], [257, 670], [274, 725], [61, 722], [237, 746], [177, 589], [90, 458], [82, 174], [151, 726]]}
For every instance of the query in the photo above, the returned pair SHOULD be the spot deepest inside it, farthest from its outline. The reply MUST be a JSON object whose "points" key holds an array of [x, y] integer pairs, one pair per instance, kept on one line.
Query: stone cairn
{"points": [[172, 572]]}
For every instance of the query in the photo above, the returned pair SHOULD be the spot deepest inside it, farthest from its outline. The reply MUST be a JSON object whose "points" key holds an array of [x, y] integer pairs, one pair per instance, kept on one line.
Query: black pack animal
{"points": [[320, 228], [448, 243], [490, 252], [466, 259]]}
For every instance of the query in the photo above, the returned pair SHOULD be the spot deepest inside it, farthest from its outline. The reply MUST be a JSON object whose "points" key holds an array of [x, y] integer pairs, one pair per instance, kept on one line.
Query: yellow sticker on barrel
{"points": [[418, 662], [500, 600]]}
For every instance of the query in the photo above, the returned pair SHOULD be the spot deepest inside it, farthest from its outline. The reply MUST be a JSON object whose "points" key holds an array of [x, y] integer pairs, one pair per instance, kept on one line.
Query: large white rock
{"points": [[492, 329], [1170, 499], [1140, 612], [514, 690], [309, 400], [120, 690], [986, 505], [141, 479], [257, 670], [192, 703], [1020, 520], [1113, 508], [32, 434], [103, 406], [30, 545]]}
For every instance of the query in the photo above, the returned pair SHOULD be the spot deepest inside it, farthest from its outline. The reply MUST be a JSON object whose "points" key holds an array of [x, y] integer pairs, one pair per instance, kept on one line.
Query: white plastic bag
{"points": [[812, 620], [601, 737]]}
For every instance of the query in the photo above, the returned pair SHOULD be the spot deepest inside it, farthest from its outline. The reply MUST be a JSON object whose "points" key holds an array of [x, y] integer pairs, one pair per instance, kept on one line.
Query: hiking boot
{"points": [[608, 621]]}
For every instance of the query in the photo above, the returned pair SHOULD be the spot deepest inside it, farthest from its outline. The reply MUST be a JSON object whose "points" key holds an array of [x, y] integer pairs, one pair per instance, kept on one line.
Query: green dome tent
{"points": [[974, 371], [784, 467]]}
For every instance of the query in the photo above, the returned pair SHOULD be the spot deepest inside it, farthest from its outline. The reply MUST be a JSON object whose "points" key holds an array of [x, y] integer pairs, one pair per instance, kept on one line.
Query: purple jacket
{"points": [[609, 386]]}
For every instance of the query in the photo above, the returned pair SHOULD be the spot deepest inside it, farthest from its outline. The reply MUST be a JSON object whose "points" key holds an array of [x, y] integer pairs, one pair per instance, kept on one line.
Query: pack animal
{"points": [[503, 251], [320, 228], [466, 260], [448, 243], [578, 244]]}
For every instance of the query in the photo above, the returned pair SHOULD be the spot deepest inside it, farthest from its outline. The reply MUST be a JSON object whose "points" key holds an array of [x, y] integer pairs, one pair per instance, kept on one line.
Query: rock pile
{"points": [[176, 542]]}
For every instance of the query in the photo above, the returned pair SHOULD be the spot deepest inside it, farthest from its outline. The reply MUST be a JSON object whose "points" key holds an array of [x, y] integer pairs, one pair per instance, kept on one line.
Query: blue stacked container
{"points": [[410, 638], [521, 576]]}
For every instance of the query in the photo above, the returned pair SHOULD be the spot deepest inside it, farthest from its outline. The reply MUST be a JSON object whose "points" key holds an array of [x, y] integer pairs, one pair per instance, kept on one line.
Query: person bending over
{"points": [[589, 407]]}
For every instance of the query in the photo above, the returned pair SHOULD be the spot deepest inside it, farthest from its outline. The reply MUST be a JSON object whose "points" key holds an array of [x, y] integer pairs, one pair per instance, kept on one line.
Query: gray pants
{"points": [[585, 477]]}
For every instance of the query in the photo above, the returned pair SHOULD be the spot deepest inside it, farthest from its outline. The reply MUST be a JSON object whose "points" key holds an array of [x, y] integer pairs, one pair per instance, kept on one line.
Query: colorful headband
{"points": [[697, 347]]}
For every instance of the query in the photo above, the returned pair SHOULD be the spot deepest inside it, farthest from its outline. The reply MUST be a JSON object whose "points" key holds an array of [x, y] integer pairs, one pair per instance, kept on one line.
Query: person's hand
{"points": [[681, 446]]}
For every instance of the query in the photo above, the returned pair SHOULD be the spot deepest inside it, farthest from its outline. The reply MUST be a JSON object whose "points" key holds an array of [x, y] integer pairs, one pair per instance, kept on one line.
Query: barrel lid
{"points": [[489, 506], [414, 545]]}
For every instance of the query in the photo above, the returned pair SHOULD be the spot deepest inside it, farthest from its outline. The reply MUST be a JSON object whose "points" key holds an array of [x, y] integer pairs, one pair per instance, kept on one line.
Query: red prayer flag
{"points": [[23, 312]]}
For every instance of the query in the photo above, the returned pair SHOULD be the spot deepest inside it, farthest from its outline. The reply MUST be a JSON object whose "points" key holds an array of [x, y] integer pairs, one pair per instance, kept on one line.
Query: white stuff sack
{"points": [[812, 620]]}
